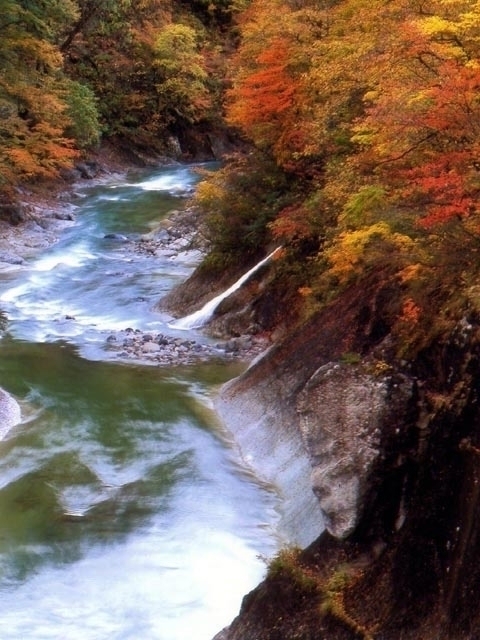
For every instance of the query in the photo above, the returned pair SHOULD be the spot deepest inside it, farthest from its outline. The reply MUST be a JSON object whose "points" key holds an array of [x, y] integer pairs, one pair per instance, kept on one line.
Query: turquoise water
{"points": [[125, 511]]}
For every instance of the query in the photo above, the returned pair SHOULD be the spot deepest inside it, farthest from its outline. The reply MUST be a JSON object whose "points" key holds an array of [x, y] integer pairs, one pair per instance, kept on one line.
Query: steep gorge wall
{"points": [[394, 450], [270, 442], [300, 407]]}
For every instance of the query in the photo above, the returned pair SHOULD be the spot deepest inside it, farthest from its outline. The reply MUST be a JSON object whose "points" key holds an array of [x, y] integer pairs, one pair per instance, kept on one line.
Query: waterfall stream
{"points": [[203, 315]]}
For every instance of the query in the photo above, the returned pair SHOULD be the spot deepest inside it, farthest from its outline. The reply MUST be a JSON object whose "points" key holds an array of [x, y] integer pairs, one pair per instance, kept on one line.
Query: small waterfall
{"points": [[203, 315]]}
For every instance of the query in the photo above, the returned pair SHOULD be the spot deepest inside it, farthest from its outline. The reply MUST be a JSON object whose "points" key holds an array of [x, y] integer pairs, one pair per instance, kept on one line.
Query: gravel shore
{"points": [[175, 237]]}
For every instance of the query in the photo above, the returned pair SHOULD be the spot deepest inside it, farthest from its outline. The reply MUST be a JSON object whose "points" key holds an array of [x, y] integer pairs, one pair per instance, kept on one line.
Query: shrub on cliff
{"points": [[238, 202]]}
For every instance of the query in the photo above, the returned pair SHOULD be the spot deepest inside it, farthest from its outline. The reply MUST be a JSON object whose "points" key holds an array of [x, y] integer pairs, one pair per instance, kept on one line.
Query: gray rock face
{"points": [[343, 410], [11, 258], [88, 170], [265, 431], [10, 413], [117, 237], [326, 434], [340, 411]]}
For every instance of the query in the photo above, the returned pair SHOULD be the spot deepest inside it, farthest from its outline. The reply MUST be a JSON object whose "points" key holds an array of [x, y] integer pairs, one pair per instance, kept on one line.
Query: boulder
{"points": [[14, 213], [11, 258], [343, 410], [88, 170], [116, 237]]}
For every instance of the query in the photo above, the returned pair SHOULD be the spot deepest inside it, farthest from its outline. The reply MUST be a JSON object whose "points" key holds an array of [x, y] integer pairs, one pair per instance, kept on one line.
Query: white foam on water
{"points": [[143, 589], [10, 414], [74, 257], [15, 292], [186, 568], [116, 198], [43, 310], [77, 500], [174, 182]]}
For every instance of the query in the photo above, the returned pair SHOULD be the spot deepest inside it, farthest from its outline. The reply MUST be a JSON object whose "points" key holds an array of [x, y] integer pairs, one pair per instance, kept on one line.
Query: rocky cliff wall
{"points": [[342, 412], [270, 442], [394, 450], [311, 424]]}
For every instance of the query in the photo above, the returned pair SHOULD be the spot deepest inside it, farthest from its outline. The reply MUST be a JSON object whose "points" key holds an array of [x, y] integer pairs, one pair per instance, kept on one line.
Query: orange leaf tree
{"points": [[421, 132]]}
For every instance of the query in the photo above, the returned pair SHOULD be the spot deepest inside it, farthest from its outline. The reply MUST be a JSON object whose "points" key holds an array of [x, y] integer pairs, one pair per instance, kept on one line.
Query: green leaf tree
{"points": [[182, 86]]}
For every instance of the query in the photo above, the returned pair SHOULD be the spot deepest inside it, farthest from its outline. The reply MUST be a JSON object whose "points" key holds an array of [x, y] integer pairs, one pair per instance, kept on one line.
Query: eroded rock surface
{"points": [[342, 412], [281, 409], [270, 442]]}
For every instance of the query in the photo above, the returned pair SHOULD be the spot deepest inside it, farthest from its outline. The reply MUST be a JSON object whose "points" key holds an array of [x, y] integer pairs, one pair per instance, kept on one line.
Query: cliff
{"points": [[394, 454]]}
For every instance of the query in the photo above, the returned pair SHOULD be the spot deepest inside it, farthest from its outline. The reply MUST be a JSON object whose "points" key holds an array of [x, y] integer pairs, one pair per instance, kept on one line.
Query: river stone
{"points": [[151, 347], [88, 170], [11, 258], [238, 344], [342, 408], [10, 413], [165, 253], [66, 216], [71, 175], [117, 237]]}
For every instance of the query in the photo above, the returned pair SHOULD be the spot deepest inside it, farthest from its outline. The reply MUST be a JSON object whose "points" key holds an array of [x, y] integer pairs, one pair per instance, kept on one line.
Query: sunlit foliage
{"points": [[371, 109], [72, 71], [181, 86]]}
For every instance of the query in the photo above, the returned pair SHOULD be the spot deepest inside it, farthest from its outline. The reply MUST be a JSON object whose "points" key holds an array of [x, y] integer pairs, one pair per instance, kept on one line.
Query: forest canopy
{"points": [[371, 111], [74, 71], [361, 120]]}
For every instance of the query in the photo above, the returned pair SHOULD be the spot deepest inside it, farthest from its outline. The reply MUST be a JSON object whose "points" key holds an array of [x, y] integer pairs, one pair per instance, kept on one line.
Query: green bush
{"points": [[82, 110]]}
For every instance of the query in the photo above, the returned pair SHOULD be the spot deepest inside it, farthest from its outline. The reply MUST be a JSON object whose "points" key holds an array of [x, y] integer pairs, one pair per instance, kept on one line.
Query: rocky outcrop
{"points": [[284, 410], [270, 442], [342, 412], [263, 304], [10, 413], [322, 446], [395, 454]]}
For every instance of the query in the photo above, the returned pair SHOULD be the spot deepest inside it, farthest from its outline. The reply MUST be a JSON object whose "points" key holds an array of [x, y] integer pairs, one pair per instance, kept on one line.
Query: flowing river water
{"points": [[125, 511]]}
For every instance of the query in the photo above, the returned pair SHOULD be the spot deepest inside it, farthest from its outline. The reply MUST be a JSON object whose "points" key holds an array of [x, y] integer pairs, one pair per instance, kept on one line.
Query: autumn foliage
{"points": [[361, 120], [72, 71], [371, 109], [396, 107], [265, 96]]}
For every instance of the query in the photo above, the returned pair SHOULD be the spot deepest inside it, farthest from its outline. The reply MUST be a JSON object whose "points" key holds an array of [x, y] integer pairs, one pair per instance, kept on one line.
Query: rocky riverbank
{"points": [[44, 220], [44, 210], [46, 215], [164, 350]]}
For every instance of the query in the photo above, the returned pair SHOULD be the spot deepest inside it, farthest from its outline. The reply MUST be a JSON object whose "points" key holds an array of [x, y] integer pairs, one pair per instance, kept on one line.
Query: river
{"points": [[125, 512]]}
